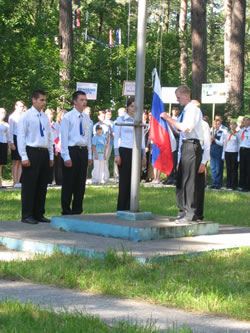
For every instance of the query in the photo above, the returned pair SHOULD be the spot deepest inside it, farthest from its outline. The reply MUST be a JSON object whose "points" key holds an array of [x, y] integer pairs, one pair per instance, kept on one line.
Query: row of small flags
{"points": [[112, 42]]}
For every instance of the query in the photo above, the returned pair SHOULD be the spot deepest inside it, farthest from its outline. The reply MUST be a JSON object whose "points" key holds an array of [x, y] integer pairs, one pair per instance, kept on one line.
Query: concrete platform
{"points": [[40, 238], [111, 225]]}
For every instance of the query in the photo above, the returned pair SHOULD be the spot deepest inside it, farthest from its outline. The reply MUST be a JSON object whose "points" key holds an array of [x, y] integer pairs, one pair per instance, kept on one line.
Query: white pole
{"points": [[139, 104]]}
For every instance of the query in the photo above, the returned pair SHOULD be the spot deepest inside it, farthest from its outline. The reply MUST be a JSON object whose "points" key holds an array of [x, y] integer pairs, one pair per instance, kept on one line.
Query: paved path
{"points": [[114, 309], [41, 238]]}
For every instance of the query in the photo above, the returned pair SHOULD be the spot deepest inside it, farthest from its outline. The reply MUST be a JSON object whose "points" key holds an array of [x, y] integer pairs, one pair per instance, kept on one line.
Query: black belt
{"points": [[78, 147], [37, 148], [191, 141]]}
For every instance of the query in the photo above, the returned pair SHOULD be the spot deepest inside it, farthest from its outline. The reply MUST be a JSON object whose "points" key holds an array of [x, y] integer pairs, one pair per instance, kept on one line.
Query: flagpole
{"points": [[139, 103]]}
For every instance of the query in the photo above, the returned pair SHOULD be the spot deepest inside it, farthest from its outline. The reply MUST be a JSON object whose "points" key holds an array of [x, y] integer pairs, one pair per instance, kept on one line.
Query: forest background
{"points": [[43, 45]]}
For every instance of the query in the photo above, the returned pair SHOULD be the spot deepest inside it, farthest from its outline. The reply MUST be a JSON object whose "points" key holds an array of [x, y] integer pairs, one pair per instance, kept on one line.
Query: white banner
{"points": [[168, 95], [89, 88], [128, 88], [214, 93]]}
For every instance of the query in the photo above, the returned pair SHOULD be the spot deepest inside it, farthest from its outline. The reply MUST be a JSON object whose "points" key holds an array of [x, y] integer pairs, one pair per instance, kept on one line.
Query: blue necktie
{"points": [[81, 128], [41, 127], [181, 117]]}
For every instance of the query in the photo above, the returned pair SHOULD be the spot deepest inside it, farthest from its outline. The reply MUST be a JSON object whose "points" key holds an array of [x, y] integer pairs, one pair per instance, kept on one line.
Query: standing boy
{"points": [[230, 154], [35, 146], [76, 153], [100, 173], [244, 139]]}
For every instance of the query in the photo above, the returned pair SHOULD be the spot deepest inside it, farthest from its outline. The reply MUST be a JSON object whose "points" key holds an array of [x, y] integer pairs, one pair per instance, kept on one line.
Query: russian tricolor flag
{"points": [[160, 133]]}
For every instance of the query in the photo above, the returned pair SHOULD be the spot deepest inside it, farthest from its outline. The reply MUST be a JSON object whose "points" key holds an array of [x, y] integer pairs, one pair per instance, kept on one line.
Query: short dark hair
{"points": [[76, 94], [219, 115], [98, 127], [37, 93], [130, 101]]}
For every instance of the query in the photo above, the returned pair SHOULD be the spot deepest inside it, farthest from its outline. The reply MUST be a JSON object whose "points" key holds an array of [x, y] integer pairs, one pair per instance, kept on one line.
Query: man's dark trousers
{"points": [[188, 183], [34, 183], [74, 179]]}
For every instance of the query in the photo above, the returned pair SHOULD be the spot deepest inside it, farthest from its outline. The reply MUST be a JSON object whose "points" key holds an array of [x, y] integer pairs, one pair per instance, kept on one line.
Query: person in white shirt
{"points": [[123, 146], [16, 158], [4, 142], [50, 113], [76, 153], [244, 139], [35, 146], [230, 154], [189, 157]]}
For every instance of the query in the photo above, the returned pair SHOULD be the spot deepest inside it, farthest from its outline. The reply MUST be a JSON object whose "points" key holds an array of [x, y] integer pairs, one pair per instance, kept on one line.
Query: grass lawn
{"points": [[220, 206], [217, 282], [26, 318]]}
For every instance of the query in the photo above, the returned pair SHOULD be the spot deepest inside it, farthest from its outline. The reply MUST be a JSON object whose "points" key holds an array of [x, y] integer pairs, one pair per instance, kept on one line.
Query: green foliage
{"points": [[31, 57]]}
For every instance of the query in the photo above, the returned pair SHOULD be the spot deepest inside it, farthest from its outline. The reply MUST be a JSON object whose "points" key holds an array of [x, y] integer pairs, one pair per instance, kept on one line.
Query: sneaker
{"points": [[18, 185]]}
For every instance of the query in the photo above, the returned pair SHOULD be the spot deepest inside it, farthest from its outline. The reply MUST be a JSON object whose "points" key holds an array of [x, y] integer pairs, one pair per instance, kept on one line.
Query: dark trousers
{"points": [[34, 183], [58, 169], [232, 169], [74, 180], [245, 168], [216, 164], [188, 181], [124, 179]]}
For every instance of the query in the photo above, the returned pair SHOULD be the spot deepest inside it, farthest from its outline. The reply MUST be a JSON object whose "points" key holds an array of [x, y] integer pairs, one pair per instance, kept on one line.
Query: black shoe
{"points": [[29, 220], [43, 219]]}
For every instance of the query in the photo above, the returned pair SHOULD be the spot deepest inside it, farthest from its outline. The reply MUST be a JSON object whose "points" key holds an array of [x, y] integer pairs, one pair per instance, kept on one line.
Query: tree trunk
{"points": [[227, 38], [199, 47], [183, 42], [237, 44], [66, 33]]}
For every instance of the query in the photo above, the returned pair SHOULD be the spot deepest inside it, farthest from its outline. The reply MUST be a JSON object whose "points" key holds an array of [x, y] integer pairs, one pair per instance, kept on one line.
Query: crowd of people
{"points": [[58, 147]]}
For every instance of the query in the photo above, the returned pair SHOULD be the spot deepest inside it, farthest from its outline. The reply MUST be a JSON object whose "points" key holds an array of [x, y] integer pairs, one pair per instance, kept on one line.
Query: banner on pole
{"points": [[128, 88], [213, 93], [89, 88], [168, 95]]}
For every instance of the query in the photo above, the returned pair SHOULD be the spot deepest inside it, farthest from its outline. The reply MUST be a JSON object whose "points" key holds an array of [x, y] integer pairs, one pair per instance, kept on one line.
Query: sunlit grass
{"points": [[223, 207], [27, 318]]}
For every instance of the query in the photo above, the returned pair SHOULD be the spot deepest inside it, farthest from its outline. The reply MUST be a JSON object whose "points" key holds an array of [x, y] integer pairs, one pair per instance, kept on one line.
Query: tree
{"points": [[183, 42], [237, 46], [66, 36], [199, 46]]}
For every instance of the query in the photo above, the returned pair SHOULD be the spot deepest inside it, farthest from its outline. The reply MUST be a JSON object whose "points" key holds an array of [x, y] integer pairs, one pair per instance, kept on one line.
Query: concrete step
{"points": [[111, 225]]}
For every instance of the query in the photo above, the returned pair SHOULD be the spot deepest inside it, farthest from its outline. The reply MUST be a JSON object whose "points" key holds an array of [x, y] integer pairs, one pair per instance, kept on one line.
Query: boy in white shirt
{"points": [[100, 173], [230, 154], [244, 139]]}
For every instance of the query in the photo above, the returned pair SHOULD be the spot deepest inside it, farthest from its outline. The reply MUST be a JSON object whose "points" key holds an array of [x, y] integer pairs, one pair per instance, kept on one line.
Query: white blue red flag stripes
{"points": [[160, 133]]}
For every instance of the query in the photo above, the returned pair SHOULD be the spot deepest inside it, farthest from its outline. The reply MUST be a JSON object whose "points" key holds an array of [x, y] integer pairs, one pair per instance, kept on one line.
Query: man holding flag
{"points": [[189, 156]]}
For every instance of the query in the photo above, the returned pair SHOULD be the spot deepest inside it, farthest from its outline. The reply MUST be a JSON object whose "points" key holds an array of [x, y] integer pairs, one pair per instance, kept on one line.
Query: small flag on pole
{"points": [[160, 133]]}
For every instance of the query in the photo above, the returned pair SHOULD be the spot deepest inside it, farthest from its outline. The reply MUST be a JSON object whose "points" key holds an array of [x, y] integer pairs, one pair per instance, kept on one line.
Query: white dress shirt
{"points": [[13, 122], [124, 135], [70, 132], [246, 140], [231, 143], [4, 132], [192, 119], [29, 133], [205, 142]]}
